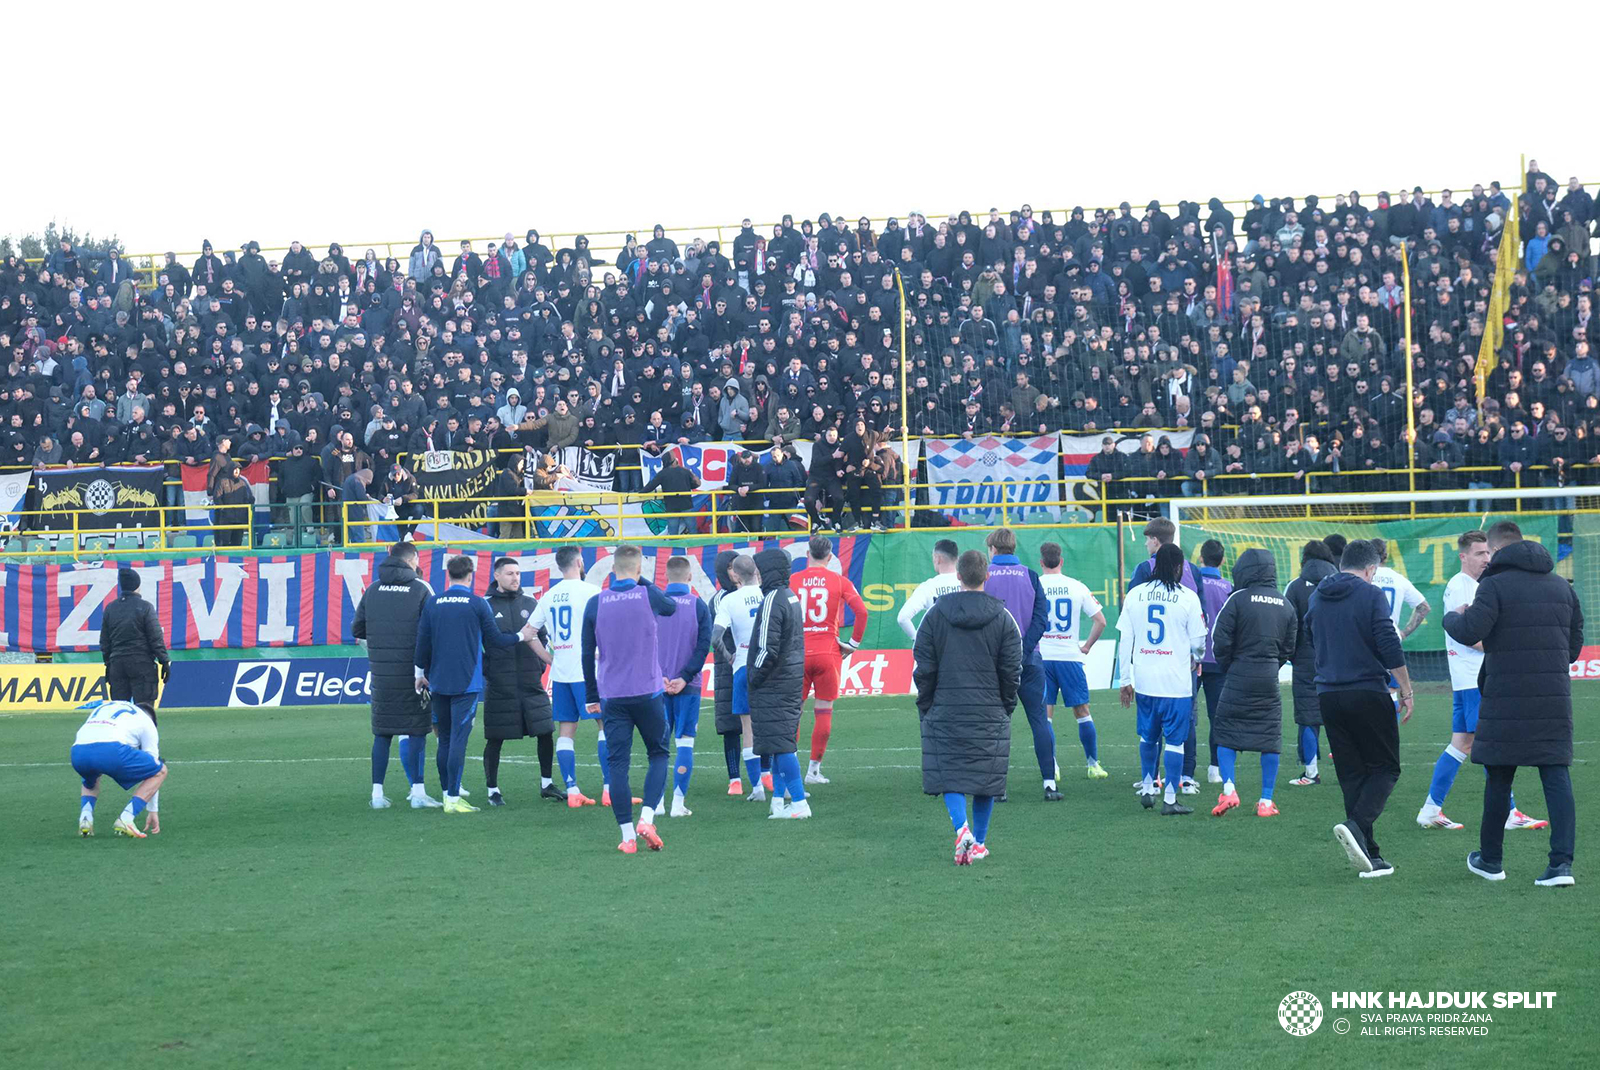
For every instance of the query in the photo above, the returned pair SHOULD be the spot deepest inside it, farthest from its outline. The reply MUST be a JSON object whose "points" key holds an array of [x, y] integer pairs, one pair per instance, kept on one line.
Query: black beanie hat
{"points": [[127, 579]]}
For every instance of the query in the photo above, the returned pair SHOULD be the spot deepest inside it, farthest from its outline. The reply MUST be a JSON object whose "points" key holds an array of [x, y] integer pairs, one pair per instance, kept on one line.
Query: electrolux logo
{"points": [[258, 683]]}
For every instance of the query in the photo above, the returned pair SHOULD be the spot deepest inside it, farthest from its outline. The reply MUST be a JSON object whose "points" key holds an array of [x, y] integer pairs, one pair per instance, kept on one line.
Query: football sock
{"points": [[380, 759], [1308, 745], [731, 753], [491, 763], [627, 832], [786, 774], [1269, 775], [982, 811], [547, 749], [86, 803], [1444, 774], [820, 730], [1149, 751], [1227, 761], [605, 763], [1172, 758], [647, 815], [414, 758], [134, 808], [956, 803], [1086, 736], [684, 767], [752, 765], [567, 759]]}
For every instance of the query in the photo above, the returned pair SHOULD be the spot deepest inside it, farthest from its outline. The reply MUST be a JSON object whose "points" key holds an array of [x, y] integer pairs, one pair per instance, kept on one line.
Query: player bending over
{"points": [[823, 594], [1163, 634], [1473, 550], [1067, 601], [119, 740]]}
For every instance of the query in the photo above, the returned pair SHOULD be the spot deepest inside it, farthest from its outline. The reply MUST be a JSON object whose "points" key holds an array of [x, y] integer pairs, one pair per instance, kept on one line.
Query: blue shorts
{"points": [[683, 712], [571, 702], [1066, 679], [122, 763], [1164, 718], [1464, 710], [741, 693]]}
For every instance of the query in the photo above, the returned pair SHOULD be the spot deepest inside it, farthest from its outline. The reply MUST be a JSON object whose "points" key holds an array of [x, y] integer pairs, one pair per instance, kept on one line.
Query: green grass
{"points": [[278, 921]]}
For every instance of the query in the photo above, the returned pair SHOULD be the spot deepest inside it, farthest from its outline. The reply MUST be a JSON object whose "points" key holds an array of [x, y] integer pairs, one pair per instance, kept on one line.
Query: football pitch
{"points": [[279, 921]]}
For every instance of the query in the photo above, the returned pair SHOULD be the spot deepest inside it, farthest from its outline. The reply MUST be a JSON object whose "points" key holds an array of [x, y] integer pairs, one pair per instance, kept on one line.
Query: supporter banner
{"points": [[197, 498], [447, 476], [579, 506], [96, 492], [970, 478], [216, 602], [31, 688], [13, 489], [1078, 450]]}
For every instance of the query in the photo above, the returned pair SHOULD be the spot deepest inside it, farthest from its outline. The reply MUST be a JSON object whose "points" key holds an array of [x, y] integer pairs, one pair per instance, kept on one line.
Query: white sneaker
{"points": [[1213, 775], [421, 801], [797, 812], [380, 802], [679, 810], [1189, 786], [779, 804], [759, 795], [816, 778]]}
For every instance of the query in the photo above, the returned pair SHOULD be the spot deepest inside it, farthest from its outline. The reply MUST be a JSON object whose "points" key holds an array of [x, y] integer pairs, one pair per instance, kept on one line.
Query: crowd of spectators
{"points": [[1277, 335]]}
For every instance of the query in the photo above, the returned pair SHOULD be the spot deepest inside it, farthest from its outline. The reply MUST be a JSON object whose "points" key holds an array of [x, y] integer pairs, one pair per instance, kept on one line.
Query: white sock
{"points": [[1311, 768], [573, 791], [545, 782], [677, 795], [1149, 785], [814, 767], [377, 791], [747, 753], [1049, 785], [1171, 796], [451, 798], [647, 815], [494, 790], [628, 835], [1227, 788]]}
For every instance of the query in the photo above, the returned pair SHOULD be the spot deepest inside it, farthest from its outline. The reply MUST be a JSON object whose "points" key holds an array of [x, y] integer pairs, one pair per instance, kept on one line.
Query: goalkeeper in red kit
{"points": [[823, 594]]}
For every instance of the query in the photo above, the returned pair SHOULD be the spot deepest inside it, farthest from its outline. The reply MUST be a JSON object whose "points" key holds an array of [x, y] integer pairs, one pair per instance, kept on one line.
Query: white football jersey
{"points": [[1464, 661], [121, 722], [922, 599], [1066, 602], [1163, 633], [736, 611], [1398, 592], [559, 613]]}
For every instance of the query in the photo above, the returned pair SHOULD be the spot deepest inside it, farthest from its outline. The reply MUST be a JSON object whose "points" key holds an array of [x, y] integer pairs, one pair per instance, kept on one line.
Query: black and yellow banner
{"points": [[127, 497], [447, 476]]}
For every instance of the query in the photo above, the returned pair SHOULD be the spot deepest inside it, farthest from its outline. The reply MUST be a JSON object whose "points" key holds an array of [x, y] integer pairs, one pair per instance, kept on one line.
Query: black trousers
{"points": [[1558, 801], [131, 679], [1364, 736], [866, 497]]}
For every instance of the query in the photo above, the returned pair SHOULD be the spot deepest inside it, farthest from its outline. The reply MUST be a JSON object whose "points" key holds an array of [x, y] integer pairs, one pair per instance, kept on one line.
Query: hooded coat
{"points": [[1531, 627], [514, 700], [968, 670], [1307, 707], [387, 620], [776, 666], [1254, 635], [722, 667]]}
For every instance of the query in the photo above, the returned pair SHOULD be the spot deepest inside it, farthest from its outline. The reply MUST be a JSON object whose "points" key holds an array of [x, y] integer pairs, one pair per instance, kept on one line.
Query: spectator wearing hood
{"points": [[513, 412], [1316, 565], [732, 411]]}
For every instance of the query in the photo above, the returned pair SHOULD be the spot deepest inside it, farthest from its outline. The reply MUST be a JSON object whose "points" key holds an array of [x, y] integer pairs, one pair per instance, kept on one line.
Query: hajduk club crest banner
{"points": [[970, 478]]}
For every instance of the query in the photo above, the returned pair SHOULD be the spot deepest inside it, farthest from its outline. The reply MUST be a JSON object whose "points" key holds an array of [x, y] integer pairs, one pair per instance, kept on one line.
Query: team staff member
{"points": [[683, 641], [968, 666], [1018, 587], [1531, 627], [386, 622], [131, 643], [455, 628], [823, 594], [776, 677], [1316, 565], [1357, 648], [514, 700]]}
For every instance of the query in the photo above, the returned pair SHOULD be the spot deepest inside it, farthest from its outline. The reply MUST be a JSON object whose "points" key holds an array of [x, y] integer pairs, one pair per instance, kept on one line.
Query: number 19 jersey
{"points": [[559, 613], [1067, 601]]}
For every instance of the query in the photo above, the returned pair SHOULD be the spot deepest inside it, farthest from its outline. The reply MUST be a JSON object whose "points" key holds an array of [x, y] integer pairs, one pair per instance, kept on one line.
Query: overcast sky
{"points": [[363, 123]]}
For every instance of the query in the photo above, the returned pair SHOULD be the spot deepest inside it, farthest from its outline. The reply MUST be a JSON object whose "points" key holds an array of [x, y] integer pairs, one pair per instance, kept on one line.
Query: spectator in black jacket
{"points": [[386, 624], [968, 667], [1253, 636], [785, 482], [1104, 467], [131, 643], [1531, 627], [674, 482], [515, 704]]}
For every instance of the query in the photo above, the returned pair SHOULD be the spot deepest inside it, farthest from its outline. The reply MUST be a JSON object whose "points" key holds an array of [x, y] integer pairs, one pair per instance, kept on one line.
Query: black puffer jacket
{"points": [[968, 669], [721, 667], [777, 659], [129, 629], [387, 620], [1531, 627], [514, 699], [1254, 635], [1307, 707]]}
